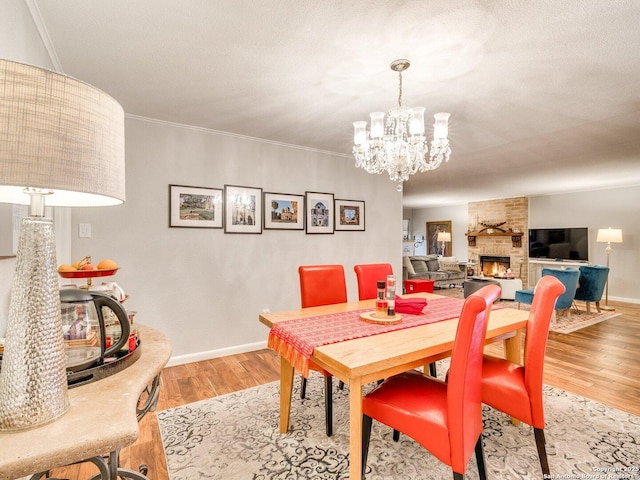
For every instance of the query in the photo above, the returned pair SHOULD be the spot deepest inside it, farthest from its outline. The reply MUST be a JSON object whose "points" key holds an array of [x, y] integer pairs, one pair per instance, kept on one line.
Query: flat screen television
{"points": [[559, 243]]}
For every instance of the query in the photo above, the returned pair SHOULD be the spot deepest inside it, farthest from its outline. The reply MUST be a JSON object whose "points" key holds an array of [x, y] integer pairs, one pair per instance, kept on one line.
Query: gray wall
{"points": [[616, 208], [202, 287], [205, 288]]}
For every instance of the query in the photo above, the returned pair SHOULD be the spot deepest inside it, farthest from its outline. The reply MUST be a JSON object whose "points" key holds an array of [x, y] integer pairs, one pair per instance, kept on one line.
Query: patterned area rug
{"points": [[236, 436], [579, 317], [579, 320]]}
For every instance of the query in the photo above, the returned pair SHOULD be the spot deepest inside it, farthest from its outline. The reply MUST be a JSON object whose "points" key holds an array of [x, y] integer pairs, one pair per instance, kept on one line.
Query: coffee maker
{"points": [[95, 327]]}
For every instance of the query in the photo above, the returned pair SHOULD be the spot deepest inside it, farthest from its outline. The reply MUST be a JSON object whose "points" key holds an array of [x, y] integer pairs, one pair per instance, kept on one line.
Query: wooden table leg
{"points": [[355, 429], [513, 351], [513, 348], [286, 389]]}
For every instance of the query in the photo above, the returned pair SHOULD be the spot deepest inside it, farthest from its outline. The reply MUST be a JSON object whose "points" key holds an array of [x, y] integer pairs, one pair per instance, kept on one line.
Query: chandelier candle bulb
{"points": [[441, 126], [417, 121], [377, 124], [359, 132]]}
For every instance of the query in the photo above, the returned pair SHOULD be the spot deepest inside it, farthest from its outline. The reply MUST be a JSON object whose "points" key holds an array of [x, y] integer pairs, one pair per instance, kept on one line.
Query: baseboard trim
{"points": [[209, 354]]}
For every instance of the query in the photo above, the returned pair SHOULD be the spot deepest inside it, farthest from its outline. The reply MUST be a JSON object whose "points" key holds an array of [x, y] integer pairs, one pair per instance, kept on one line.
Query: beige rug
{"points": [[236, 437], [579, 317]]}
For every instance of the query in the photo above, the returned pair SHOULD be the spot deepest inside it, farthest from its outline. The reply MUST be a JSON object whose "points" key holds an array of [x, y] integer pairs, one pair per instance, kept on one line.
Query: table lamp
{"points": [[608, 236], [443, 237], [61, 140]]}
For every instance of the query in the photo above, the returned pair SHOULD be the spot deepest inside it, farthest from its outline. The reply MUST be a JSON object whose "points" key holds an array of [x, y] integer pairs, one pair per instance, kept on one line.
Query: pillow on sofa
{"points": [[448, 264], [420, 266], [432, 264]]}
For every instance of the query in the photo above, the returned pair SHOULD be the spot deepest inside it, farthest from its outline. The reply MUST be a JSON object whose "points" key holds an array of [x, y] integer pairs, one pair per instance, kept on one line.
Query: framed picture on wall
{"points": [[243, 209], [283, 211], [195, 207], [439, 238], [319, 212], [349, 214]]}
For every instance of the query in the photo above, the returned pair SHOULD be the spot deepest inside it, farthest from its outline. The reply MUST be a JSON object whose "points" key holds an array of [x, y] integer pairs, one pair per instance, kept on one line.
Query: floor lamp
{"points": [[443, 238], [61, 140], [608, 236]]}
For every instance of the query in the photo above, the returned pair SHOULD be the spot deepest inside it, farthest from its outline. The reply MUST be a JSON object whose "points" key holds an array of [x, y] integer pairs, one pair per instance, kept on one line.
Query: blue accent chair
{"points": [[593, 279], [569, 278]]}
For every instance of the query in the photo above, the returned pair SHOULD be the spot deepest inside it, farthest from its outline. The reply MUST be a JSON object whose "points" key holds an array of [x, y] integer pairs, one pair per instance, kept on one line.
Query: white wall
{"points": [[616, 208], [202, 287], [459, 220], [19, 41], [205, 288]]}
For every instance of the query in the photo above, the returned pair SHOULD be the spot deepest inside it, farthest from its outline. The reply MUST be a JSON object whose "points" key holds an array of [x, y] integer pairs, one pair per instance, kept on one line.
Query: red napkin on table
{"points": [[413, 306]]}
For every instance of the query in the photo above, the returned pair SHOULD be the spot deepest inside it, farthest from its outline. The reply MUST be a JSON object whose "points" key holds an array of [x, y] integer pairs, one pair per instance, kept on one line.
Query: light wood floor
{"points": [[600, 362]]}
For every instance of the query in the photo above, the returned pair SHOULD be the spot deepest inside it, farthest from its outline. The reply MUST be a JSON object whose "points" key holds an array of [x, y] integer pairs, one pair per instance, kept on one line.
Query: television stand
{"points": [[537, 264]]}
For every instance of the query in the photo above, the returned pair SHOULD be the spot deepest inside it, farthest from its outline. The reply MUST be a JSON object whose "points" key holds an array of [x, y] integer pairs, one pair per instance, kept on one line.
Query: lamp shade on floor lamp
{"points": [[608, 236], [61, 140]]}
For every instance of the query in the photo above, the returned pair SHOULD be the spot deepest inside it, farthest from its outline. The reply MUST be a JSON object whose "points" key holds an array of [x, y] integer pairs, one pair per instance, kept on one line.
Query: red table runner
{"points": [[296, 339]]}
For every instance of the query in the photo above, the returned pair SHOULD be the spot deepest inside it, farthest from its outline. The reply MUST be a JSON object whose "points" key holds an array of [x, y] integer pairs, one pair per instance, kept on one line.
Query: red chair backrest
{"points": [[463, 384], [548, 290], [368, 276], [322, 285]]}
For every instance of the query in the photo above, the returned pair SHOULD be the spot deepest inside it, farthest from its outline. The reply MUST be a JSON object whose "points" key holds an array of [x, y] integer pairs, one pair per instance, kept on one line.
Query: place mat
{"points": [[296, 339]]}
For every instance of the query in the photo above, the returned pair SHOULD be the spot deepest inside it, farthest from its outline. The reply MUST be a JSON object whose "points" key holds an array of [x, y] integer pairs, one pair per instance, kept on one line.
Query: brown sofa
{"points": [[445, 271]]}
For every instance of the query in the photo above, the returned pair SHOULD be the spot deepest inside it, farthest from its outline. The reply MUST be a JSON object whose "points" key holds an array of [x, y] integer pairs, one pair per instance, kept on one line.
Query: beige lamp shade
{"points": [[61, 135], [609, 235], [444, 236]]}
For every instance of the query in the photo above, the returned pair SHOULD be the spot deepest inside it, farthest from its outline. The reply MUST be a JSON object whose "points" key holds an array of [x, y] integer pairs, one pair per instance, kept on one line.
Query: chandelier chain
{"points": [[400, 88]]}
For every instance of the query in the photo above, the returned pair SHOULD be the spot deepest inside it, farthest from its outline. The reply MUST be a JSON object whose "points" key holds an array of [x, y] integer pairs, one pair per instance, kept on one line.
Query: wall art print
{"points": [[319, 212], [243, 209], [434, 246], [195, 207], [349, 215], [283, 211]]}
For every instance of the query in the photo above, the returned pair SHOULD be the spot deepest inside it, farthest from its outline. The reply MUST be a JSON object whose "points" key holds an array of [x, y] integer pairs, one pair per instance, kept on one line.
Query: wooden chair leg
{"points": [[303, 388], [366, 436], [432, 370], [598, 307], [482, 468], [328, 404], [589, 307], [542, 451]]}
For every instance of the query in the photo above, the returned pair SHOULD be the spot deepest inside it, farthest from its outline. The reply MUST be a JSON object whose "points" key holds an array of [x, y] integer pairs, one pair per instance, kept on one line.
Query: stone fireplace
{"points": [[508, 242], [494, 266]]}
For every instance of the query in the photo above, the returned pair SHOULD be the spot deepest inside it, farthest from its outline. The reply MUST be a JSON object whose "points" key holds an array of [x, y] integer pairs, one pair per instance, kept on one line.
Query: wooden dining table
{"points": [[362, 360]]}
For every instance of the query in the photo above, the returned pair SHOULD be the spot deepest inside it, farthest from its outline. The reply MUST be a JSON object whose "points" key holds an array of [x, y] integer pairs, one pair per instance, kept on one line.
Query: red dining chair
{"points": [[368, 276], [322, 285], [444, 417], [515, 389]]}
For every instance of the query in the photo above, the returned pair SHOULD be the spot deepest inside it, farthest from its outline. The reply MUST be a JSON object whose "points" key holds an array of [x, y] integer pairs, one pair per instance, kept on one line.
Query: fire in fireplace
{"points": [[492, 266]]}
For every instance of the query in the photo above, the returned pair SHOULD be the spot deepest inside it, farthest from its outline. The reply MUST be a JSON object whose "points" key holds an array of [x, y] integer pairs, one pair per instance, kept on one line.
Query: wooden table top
{"points": [[372, 355], [101, 419]]}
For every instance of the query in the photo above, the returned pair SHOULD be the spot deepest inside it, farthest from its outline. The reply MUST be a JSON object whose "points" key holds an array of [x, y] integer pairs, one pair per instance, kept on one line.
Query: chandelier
{"points": [[398, 146]]}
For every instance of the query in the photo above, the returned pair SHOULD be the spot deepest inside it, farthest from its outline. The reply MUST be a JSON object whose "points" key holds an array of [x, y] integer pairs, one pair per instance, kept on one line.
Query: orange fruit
{"points": [[66, 268], [88, 266], [107, 264]]}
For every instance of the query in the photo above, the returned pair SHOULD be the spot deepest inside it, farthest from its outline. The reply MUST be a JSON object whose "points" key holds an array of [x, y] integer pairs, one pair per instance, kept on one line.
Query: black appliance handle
{"points": [[100, 300]]}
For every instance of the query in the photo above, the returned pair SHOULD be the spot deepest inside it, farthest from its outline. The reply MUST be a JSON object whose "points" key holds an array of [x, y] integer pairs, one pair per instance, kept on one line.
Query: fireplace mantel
{"points": [[516, 237]]}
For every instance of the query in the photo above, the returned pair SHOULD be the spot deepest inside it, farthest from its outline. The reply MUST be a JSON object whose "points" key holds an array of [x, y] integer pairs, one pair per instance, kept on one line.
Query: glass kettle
{"points": [[86, 318]]}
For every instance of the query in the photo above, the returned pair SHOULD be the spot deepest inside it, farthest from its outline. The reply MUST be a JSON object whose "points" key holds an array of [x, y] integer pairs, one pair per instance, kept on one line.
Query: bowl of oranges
{"points": [[85, 269]]}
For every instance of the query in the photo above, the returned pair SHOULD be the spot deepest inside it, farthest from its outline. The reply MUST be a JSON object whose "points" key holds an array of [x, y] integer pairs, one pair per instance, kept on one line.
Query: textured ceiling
{"points": [[544, 95]]}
